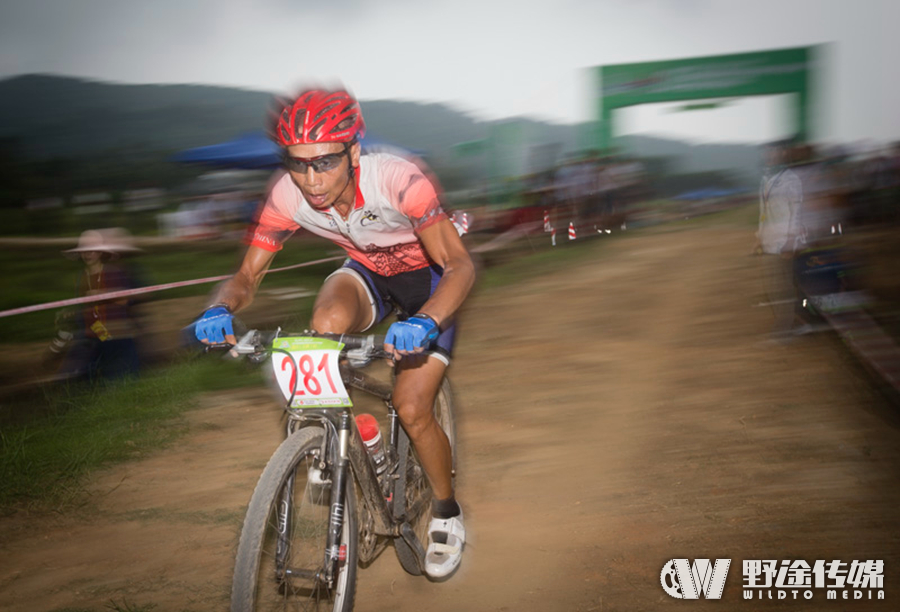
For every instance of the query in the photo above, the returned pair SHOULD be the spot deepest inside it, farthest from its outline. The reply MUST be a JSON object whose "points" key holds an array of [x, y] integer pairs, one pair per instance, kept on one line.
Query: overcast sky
{"points": [[493, 59]]}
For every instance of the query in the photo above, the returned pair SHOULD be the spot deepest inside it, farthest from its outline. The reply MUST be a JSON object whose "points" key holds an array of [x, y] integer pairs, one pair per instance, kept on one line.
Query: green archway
{"points": [[782, 71]]}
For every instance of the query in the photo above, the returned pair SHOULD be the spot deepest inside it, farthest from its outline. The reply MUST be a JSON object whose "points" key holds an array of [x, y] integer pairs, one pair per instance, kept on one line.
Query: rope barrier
{"points": [[114, 295]]}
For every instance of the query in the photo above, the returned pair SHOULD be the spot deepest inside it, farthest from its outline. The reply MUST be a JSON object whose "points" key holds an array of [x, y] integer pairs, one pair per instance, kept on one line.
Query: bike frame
{"points": [[340, 428]]}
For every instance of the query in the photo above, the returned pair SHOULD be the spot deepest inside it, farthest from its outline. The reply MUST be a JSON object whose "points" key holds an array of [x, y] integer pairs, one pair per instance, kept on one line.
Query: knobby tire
{"points": [[258, 583]]}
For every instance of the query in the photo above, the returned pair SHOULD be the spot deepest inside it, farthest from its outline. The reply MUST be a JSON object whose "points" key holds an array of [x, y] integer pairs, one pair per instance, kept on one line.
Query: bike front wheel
{"points": [[281, 556]]}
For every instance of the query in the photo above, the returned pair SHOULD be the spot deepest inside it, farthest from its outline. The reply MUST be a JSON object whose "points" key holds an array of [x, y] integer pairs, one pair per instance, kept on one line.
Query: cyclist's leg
{"points": [[419, 379], [344, 304], [417, 384]]}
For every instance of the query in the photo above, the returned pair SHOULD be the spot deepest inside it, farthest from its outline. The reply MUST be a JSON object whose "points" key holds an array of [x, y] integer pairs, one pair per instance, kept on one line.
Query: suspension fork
{"points": [[284, 516], [338, 497], [282, 545]]}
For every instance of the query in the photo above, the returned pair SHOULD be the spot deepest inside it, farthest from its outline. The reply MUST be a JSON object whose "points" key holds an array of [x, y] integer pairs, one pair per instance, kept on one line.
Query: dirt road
{"points": [[612, 416]]}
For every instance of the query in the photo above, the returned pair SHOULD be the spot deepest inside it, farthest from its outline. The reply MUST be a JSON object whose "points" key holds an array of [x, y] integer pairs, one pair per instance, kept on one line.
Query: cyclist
{"points": [[403, 250]]}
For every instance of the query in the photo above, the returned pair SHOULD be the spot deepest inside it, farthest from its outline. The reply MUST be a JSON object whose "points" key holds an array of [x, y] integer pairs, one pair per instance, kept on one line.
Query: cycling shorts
{"points": [[407, 292]]}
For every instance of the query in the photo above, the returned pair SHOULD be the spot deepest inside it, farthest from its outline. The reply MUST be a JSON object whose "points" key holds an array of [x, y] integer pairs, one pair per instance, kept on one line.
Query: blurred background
{"points": [[612, 164], [591, 117], [595, 116]]}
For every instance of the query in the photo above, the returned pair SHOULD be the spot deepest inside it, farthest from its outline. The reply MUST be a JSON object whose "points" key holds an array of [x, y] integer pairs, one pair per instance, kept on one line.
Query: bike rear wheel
{"points": [[281, 555], [417, 490]]}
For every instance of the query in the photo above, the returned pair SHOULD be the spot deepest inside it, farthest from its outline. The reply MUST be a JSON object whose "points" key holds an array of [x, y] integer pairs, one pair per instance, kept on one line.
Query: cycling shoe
{"points": [[446, 540]]}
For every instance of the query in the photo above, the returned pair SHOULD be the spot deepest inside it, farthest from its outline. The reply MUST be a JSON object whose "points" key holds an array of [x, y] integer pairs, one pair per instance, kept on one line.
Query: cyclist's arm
{"points": [[443, 244], [273, 227], [238, 291]]}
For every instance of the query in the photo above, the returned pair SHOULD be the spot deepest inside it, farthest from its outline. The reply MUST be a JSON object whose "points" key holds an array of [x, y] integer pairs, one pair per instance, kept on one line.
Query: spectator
{"points": [[779, 235], [104, 331]]}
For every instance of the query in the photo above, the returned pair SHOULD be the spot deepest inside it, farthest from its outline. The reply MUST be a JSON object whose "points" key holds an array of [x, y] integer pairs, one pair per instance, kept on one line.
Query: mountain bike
{"points": [[306, 533]]}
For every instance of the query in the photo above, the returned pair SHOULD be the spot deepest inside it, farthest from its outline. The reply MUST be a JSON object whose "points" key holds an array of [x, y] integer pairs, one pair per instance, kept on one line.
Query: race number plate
{"points": [[307, 370]]}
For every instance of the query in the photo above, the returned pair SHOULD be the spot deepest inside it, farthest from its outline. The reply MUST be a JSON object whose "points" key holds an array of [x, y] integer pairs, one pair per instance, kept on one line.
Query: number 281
{"points": [[309, 371]]}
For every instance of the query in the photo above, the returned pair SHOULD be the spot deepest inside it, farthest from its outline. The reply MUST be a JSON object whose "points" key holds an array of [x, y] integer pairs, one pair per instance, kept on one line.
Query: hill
{"points": [[52, 116], [46, 117]]}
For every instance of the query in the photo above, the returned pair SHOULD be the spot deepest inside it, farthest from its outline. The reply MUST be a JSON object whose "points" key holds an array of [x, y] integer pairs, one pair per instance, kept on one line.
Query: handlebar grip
{"points": [[221, 346]]}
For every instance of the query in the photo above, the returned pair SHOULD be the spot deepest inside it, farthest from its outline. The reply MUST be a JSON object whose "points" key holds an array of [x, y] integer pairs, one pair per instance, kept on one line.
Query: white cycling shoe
{"points": [[446, 540]]}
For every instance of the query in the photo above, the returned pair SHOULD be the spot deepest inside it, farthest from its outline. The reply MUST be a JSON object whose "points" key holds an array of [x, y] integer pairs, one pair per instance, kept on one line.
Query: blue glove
{"points": [[417, 332], [214, 325]]}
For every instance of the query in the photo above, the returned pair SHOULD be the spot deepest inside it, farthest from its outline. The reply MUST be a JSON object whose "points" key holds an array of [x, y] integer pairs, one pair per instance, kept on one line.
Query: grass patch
{"points": [[45, 461]]}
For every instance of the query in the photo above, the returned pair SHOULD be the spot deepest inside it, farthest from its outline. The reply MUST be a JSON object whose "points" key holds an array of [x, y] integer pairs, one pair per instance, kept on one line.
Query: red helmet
{"points": [[319, 116]]}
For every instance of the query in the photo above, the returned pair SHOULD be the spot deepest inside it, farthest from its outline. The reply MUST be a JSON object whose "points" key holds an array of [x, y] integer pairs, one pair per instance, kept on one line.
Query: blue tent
{"points": [[252, 151], [708, 193], [249, 152]]}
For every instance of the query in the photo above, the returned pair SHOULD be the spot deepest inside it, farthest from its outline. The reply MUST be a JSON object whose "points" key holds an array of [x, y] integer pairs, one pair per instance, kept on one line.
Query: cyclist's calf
{"points": [[418, 381]]}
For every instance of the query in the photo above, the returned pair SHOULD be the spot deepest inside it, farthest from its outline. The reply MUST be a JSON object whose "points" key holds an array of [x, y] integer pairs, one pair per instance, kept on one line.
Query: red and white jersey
{"points": [[394, 200]]}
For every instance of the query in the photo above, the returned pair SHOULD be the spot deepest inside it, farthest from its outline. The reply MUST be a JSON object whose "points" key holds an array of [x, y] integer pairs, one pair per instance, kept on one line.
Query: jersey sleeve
{"points": [[412, 193], [275, 222]]}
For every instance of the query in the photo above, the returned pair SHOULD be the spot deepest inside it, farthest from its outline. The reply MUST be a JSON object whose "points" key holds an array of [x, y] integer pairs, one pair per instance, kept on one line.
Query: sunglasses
{"points": [[322, 163]]}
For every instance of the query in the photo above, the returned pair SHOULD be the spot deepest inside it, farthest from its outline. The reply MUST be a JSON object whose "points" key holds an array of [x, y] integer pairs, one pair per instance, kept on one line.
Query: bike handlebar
{"points": [[359, 347]]}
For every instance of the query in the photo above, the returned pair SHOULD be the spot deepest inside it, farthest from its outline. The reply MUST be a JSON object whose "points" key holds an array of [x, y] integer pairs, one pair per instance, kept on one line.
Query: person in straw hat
{"points": [[104, 331]]}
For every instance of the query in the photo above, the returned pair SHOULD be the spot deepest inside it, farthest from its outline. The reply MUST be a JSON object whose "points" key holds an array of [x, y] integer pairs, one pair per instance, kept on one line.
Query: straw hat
{"points": [[114, 240], [119, 239]]}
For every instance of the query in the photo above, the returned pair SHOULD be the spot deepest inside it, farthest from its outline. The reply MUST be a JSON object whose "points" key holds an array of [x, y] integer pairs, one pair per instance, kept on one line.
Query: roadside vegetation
{"points": [[80, 428], [71, 431]]}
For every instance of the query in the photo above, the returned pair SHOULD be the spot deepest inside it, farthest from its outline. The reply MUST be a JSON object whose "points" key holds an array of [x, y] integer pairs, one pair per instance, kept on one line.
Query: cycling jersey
{"points": [[394, 200]]}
